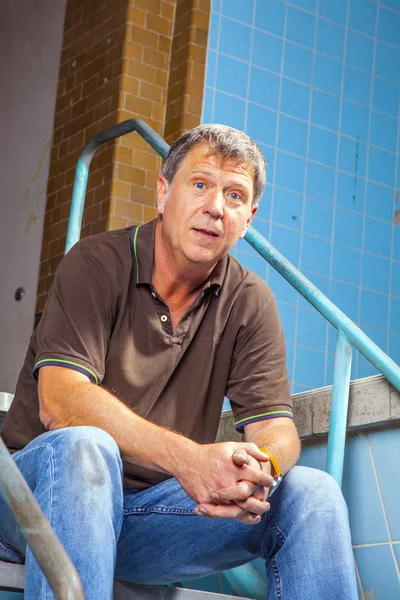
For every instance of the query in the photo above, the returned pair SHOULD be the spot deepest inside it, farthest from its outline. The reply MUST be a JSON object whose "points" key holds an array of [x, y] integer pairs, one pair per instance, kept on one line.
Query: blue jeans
{"points": [[153, 536]]}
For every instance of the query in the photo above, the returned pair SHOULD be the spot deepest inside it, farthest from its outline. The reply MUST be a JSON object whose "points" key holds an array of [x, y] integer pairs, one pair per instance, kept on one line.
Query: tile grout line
{"points": [[335, 191], [296, 325], [216, 64], [383, 506], [371, 92], [246, 110], [358, 577], [394, 224]]}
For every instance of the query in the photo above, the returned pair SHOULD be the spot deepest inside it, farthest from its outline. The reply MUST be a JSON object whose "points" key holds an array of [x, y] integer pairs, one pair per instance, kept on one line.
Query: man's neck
{"points": [[175, 282]]}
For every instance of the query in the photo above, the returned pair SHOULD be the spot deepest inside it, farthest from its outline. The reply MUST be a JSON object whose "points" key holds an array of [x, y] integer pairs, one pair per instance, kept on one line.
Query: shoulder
{"points": [[252, 291]]}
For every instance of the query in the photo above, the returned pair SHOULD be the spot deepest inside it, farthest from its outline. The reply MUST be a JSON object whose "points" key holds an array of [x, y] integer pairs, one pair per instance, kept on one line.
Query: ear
{"points": [[249, 220], [162, 192]]}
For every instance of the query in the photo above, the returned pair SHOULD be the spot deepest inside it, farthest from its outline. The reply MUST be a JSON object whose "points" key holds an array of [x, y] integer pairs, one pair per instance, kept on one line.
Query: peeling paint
{"points": [[397, 217]]}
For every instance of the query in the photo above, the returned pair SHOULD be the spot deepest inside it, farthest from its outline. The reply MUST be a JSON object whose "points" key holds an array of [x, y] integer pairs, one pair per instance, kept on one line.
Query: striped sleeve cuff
{"points": [[57, 362], [239, 425]]}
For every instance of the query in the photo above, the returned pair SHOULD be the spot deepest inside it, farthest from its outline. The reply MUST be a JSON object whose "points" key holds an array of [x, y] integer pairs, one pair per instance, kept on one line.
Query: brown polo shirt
{"points": [[104, 318]]}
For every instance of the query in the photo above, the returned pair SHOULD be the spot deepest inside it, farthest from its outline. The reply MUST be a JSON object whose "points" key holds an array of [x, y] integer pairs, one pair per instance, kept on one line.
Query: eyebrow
{"points": [[210, 173]]}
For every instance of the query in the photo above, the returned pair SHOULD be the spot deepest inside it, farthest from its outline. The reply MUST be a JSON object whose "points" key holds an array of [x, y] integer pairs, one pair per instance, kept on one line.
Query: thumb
{"points": [[240, 457]]}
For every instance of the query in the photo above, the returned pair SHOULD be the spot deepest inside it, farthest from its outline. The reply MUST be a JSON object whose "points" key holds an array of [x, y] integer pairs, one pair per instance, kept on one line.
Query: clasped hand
{"points": [[233, 481]]}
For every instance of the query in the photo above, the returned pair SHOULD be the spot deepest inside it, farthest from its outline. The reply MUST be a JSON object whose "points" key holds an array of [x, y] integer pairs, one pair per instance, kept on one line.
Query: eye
{"points": [[235, 197], [199, 185]]}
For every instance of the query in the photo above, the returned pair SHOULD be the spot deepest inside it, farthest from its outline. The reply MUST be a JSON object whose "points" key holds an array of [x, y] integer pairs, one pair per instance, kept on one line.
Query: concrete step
{"points": [[12, 579]]}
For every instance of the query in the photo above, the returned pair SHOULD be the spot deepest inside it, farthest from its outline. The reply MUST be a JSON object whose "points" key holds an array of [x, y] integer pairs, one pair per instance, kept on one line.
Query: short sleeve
{"points": [[258, 386], [76, 325]]}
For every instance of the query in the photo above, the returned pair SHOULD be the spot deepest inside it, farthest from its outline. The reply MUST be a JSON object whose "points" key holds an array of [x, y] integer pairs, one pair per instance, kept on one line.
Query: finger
{"points": [[253, 505], [223, 511], [240, 457], [241, 491], [248, 518], [254, 451], [257, 476]]}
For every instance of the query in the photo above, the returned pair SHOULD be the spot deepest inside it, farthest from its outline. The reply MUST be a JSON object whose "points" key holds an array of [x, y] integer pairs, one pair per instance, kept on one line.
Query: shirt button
{"points": [[164, 318], [153, 294]]}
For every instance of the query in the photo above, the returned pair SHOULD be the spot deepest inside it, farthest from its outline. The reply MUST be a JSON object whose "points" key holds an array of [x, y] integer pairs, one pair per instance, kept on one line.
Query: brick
{"points": [[136, 15], [129, 210], [164, 44], [151, 92], [141, 195], [161, 77], [130, 174], [155, 58], [149, 213], [200, 36], [144, 36], [158, 112], [158, 24], [132, 50], [120, 189], [151, 180], [146, 160], [200, 20], [141, 71], [116, 223], [167, 11], [153, 6], [123, 155], [138, 106], [130, 85]]}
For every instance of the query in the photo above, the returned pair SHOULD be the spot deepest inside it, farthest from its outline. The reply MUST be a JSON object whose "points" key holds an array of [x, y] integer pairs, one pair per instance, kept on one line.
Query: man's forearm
{"points": [[139, 441], [280, 438]]}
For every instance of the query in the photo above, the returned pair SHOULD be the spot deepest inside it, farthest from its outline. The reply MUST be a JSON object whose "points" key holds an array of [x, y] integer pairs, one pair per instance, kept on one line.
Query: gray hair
{"points": [[225, 142]]}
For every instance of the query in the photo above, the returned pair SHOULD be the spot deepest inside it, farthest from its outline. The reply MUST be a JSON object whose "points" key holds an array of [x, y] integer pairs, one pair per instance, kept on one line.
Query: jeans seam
{"points": [[274, 528], [278, 583], [143, 510], [46, 585]]}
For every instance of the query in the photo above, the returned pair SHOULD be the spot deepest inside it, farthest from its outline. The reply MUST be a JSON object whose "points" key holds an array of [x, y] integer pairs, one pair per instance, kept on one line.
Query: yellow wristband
{"points": [[273, 460]]}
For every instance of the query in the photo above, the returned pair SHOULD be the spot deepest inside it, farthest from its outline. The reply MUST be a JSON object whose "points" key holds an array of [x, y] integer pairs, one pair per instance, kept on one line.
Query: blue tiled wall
{"points": [[317, 84], [371, 483]]}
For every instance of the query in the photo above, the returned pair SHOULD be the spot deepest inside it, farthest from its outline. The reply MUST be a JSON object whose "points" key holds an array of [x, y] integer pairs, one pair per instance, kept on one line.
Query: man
{"points": [[144, 332]]}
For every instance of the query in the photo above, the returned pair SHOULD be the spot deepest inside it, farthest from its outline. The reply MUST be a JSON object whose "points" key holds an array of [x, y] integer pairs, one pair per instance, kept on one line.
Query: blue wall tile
{"points": [[396, 243], [395, 315], [287, 313], [235, 39], [323, 146], [254, 263], [264, 87], [300, 27], [289, 359], [360, 490], [346, 264], [318, 218], [396, 548], [207, 113], [352, 156], [330, 39], [292, 135], [395, 4], [287, 241], [295, 98], [377, 238], [281, 288], [395, 288], [377, 572], [376, 273], [310, 367], [387, 62], [216, 5], [327, 74], [267, 51], [394, 347], [320, 182], [382, 166], [385, 450], [311, 329], [289, 171], [384, 131], [310, 5], [386, 96], [210, 583], [239, 10], [229, 111], [346, 298], [214, 29], [210, 70], [389, 27], [288, 208], [377, 335], [334, 10], [355, 121], [325, 110], [261, 124], [365, 370], [380, 201], [316, 255], [362, 16], [357, 86], [313, 456], [270, 15], [350, 191], [374, 309], [348, 227], [232, 76], [320, 281], [359, 51], [297, 63], [264, 204]]}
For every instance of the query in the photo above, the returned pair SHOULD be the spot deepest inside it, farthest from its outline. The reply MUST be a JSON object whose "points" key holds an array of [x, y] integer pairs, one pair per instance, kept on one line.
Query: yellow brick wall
{"points": [[120, 60]]}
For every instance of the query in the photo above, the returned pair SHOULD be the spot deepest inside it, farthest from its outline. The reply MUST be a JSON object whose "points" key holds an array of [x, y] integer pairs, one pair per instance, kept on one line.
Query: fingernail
{"points": [[215, 496], [202, 511]]}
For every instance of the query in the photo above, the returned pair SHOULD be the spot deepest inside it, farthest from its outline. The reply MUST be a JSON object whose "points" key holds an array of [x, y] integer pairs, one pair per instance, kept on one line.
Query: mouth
{"points": [[206, 232]]}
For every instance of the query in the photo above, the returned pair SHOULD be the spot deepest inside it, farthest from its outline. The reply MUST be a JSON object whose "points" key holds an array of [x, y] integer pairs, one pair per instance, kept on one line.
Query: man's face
{"points": [[207, 208]]}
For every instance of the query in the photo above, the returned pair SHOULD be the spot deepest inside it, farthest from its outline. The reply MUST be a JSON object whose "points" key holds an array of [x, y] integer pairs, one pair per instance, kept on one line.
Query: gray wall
{"points": [[30, 47]]}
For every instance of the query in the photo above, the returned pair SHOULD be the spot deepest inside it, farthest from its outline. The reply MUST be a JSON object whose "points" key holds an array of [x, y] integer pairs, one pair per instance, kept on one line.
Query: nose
{"points": [[214, 205]]}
